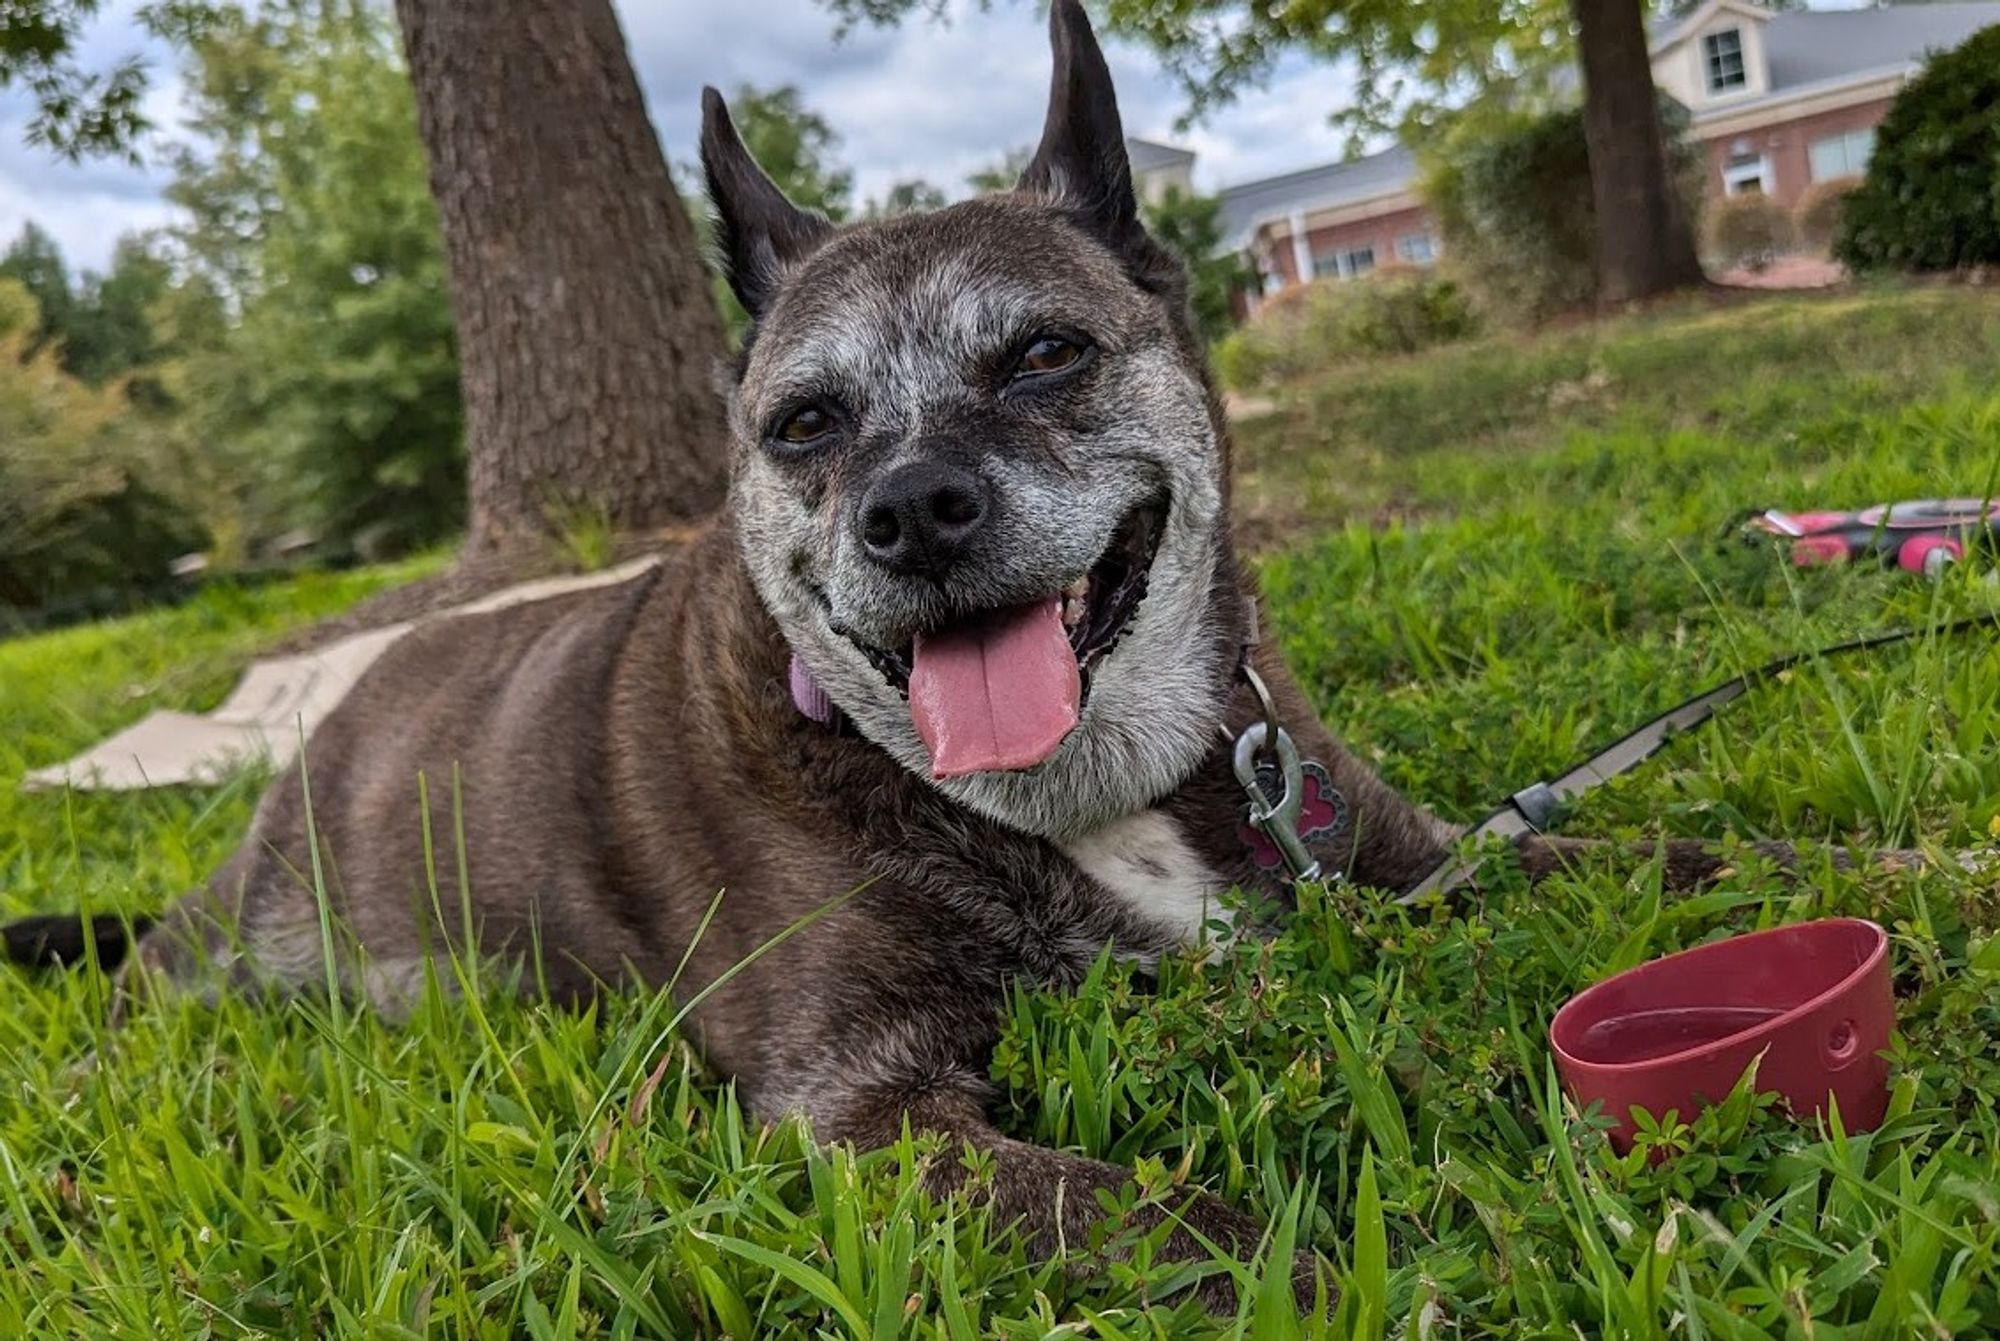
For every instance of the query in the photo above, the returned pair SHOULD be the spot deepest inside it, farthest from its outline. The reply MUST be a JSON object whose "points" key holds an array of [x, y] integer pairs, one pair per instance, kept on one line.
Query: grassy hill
{"points": [[1482, 562]]}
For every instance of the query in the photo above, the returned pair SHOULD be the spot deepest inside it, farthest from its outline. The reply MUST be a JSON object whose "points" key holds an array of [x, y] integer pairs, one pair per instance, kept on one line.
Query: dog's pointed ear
{"points": [[759, 231], [1081, 162]]}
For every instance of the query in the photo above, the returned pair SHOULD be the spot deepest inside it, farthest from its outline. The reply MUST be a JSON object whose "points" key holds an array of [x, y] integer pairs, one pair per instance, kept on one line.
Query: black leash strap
{"points": [[1535, 807]]}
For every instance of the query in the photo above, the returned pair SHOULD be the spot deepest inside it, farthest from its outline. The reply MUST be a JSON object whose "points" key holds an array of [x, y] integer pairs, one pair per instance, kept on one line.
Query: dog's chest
{"points": [[1153, 872]]}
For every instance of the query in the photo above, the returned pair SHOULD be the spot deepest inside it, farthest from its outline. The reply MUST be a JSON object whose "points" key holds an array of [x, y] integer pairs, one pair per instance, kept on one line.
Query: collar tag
{"points": [[1292, 800], [1322, 815]]}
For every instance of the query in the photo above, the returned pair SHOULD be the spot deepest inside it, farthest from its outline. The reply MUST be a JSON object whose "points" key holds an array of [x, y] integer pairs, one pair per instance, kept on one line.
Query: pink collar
{"points": [[807, 695]]}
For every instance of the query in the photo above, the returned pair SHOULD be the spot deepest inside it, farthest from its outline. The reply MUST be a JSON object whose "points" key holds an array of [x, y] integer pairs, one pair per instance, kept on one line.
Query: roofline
{"points": [[1754, 114], [1324, 205], [1402, 192], [1260, 182]]}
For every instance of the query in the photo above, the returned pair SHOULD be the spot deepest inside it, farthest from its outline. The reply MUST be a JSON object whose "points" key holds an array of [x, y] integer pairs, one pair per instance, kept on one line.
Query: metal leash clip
{"points": [[1277, 820]]}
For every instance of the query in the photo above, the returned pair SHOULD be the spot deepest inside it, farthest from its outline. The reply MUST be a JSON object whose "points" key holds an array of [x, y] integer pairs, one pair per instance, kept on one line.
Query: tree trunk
{"points": [[587, 337], [1645, 241]]}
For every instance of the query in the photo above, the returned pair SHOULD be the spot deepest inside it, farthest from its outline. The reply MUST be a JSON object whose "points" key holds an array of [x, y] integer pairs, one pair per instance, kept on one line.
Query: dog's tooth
{"points": [[1075, 601]]}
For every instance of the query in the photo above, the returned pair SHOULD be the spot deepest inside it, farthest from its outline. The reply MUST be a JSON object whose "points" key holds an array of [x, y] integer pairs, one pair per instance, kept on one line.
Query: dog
{"points": [[947, 693]]}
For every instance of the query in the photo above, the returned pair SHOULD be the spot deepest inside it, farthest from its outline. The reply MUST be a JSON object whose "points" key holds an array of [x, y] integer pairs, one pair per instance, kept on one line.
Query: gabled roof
{"points": [[1328, 186], [1667, 31], [1151, 155]]}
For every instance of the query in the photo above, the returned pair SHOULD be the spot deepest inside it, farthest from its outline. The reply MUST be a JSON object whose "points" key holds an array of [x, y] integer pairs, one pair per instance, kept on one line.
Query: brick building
{"points": [[1782, 101], [1779, 101]]}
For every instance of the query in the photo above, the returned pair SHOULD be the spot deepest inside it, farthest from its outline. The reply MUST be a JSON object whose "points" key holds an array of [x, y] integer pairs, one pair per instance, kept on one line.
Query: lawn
{"points": [[1481, 562]]}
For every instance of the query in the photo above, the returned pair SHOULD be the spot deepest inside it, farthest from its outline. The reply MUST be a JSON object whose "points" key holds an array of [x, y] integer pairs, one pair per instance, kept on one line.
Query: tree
{"points": [[81, 502], [1645, 239], [334, 394], [587, 339], [1511, 192], [77, 110], [35, 262], [586, 336], [110, 329], [97, 324], [1191, 228], [1414, 63], [912, 196]]}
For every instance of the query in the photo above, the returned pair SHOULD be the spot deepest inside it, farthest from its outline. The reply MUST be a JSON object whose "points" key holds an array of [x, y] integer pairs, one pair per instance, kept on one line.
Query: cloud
{"points": [[941, 99], [88, 205], [937, 100]]}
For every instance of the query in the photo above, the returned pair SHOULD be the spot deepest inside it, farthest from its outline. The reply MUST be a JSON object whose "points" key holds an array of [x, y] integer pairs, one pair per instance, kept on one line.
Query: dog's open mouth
{"points": [[1001, 689]]}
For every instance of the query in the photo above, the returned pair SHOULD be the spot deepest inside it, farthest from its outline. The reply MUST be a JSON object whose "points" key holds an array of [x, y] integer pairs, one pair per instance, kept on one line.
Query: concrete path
{"points": [[1788, 272]]}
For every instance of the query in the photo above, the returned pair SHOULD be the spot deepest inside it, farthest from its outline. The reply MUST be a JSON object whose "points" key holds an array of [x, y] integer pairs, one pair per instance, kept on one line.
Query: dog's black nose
{"points": [[922, 516]]}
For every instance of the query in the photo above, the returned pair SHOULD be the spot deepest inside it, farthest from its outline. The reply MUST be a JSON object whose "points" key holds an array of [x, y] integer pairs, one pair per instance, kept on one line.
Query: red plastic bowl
{"points": [[1814, 999]]}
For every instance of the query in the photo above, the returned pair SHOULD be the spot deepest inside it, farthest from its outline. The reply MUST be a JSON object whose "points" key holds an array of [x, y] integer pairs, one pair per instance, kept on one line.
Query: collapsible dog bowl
{"points": [[1814, 1000]]}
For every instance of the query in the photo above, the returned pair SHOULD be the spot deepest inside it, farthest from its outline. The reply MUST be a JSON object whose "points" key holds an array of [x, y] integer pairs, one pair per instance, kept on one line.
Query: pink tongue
{"points": [[999, 692]]}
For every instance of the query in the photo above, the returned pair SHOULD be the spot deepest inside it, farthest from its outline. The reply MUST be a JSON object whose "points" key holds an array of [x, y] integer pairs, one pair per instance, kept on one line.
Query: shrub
{"points": [[1395, 310], [1748, 230], [1513, 198], [1247, 357], [1931, 199], [20, 314], [84, 503], [1816, 221], [1402, 310]]}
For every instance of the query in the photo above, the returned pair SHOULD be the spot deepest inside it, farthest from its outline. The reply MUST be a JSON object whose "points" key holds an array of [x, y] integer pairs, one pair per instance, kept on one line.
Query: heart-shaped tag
{"points": [[1322, 815]]}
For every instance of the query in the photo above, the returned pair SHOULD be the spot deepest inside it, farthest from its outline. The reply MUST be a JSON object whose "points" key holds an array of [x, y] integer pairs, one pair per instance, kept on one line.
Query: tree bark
{"points": [[587, 337], [1645, 240]]}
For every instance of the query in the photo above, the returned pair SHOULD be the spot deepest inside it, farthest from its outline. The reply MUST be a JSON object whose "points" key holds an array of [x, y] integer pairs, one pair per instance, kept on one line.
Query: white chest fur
{"points": [[1143, 860]]}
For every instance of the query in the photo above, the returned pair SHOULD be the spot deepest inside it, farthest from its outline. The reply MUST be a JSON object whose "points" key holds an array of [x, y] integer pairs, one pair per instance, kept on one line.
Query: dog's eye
{"points": [[1049, 353], [804, 427]]}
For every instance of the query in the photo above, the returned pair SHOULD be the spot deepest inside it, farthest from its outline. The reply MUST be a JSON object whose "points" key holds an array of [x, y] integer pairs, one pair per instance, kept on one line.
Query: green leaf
{"points": [[814, 1283]]}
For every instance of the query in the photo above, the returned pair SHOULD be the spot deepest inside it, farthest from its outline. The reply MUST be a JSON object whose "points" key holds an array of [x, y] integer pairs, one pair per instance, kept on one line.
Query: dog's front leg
{"points": [[1051, 1197]]}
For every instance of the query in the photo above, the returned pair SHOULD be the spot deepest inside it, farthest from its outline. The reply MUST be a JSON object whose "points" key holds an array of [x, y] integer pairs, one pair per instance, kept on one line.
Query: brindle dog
{"points": [[979, 502]]}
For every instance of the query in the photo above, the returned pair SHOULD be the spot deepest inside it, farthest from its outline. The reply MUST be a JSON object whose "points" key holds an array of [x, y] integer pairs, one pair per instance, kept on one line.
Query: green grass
{"points": [[1499, 555]]}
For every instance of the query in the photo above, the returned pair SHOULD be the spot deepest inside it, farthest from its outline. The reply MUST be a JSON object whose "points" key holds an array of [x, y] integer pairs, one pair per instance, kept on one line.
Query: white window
{"points": [[1416, 248], [1841, 155], [1746, 174], [1722, 60], [1346, 263]]}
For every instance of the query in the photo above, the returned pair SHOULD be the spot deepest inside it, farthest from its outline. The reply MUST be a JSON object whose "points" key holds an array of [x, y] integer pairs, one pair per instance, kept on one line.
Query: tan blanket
{"points": [[276, 706]]}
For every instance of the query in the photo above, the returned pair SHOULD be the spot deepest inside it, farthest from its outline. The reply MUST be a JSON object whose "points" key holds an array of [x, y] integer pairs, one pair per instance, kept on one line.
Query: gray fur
{"points": [[901, 337], [624, 753]]}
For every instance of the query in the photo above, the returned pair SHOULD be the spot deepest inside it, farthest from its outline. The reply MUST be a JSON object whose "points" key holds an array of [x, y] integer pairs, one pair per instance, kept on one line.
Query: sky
{"points": [[936, 100]]}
